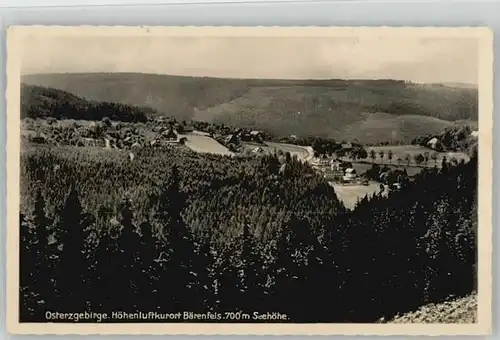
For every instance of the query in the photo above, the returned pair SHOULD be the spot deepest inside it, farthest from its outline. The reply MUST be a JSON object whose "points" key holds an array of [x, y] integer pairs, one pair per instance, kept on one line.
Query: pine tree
{"points": [[436, 241], [128, 242], [297, 260], [42, 271], [72, 269], [177, 247], [148, 274], [27, 283], [248, 265]]}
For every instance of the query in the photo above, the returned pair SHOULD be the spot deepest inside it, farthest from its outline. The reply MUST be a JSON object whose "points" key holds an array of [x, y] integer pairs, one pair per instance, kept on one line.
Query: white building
{"points": [[350, 174], [434, 143]]}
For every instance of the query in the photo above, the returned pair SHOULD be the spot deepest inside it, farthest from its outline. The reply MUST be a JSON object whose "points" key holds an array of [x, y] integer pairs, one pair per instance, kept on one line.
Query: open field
{"points": [[363, 166], [302, 152], [400, 151], [205, 144], [350, 194]]}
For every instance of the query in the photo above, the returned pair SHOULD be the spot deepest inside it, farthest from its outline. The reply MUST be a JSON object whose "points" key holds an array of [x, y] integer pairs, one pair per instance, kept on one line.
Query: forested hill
{"points": [[42, 102], [368, 110]]}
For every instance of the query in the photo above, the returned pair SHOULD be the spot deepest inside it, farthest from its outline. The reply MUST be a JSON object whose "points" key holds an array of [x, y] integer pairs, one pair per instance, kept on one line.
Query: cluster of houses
{"points": [[337, 170], [244, 136], [166, 136], [100, 134]]}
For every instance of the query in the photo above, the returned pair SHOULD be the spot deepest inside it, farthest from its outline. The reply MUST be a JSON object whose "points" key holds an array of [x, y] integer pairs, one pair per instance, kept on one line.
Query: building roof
{"points": [[433, 141], [350, 171]]}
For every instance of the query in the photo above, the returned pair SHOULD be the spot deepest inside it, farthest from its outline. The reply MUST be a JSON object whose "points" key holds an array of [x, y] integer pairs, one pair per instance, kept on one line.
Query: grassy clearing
{"points": [[205, 144], [350, 194], [400, 151], [301, 152]]}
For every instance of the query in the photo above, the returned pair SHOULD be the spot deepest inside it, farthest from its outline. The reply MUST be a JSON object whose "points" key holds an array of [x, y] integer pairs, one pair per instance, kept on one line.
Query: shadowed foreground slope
{"points": [[463, 310]]}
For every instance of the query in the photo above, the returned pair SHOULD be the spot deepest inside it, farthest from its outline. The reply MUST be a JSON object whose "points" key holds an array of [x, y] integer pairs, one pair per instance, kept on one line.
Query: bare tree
{"points": [[408, 159], [434, 156], [381, 154], [372, 155], [418, 158], [426, 157]]}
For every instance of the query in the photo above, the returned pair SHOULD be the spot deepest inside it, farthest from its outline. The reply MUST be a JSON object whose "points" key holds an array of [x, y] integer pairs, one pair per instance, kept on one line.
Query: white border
{"points": [[485, 39]]}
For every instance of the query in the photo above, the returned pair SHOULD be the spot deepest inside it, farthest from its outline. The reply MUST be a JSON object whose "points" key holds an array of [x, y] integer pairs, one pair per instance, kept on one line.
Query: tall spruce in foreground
{"points": [[128, 251], [72, 267], [375, 261], [43, 268], [27, 259], [297, 262], [177, 257]]}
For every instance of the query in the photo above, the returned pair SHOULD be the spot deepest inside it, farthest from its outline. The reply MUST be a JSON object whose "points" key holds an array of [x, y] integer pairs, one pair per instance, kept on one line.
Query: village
{"points": [[352, 169]]}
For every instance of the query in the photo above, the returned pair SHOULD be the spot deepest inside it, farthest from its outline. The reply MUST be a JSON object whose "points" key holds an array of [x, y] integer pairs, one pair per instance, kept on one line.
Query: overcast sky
{"points": [[408, 58]]}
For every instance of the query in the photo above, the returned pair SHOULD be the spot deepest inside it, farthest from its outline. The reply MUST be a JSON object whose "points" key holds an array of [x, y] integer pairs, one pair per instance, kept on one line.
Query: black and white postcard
{"points": [[239, 180]]}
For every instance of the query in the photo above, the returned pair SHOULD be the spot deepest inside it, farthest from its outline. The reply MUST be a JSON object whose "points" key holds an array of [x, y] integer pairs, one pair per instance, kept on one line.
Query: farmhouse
{"points": [[185, 128], [350, 175], [170, 134], [107, 143], [256, 136], [231, 139], [347, 146], [434, 144], [335, 172], [335, 164], [88, 142], [323, 162]]}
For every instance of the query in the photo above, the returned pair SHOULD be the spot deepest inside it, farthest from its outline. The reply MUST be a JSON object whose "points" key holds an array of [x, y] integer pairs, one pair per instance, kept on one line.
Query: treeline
{"points": [[41, 102], [238, 235]]}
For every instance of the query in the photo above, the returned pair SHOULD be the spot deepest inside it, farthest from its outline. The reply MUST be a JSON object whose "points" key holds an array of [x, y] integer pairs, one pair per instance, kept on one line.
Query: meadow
{"points": [[350, 195], [301, 152], [401, 152], [205, 144]]}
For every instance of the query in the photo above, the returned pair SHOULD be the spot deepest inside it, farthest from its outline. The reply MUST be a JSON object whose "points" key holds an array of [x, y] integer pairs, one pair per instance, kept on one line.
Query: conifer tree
{"points": [[177, 246], [128, 243], [297, 259], [248, 266], [42, 271], [108, 278], [27, 259], [72, 267], [205, 275], [148, 274]]}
